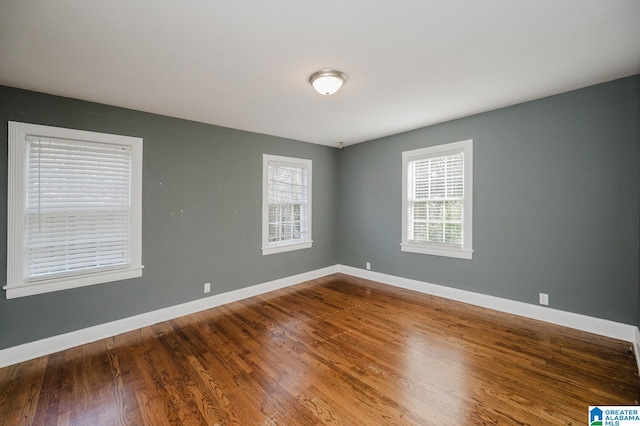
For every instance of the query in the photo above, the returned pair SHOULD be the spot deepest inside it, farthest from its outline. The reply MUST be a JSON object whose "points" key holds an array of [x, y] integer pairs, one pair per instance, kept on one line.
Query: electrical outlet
{"points": [[544, 299], [207, 287], [368, 266]]}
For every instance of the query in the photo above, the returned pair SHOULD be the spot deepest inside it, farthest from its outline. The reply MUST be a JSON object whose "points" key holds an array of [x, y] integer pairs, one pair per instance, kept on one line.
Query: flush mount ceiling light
{"points": [[327, 81]]}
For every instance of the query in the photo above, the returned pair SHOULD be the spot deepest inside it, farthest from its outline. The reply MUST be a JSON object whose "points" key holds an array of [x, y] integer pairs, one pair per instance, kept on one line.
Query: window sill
{"points": [[68, 282], [436, 251], [286, 247]]}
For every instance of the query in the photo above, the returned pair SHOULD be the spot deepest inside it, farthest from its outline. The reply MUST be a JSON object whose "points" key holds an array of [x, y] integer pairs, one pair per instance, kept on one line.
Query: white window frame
{"points": [[17, 284], [284, 246], [440, 249]]}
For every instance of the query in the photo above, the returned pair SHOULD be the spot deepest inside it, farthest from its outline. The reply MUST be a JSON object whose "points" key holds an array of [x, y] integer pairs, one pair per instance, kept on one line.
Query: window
{"points": [[74, 209], [437, 188], [286, 204]]}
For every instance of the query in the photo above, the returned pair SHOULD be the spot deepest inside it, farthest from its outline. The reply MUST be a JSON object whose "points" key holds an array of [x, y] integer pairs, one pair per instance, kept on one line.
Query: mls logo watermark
{"points": [[614, 415]]}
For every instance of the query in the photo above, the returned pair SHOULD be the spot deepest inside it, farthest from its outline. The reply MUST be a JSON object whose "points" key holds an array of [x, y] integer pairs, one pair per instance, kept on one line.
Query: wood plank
{"points": [[334, 351], [20, 388]]}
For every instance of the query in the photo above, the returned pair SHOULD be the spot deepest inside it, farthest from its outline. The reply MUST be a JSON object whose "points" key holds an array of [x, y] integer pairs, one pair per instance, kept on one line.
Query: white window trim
{"points": [[436, 249], [17, 286], [273, 248]]}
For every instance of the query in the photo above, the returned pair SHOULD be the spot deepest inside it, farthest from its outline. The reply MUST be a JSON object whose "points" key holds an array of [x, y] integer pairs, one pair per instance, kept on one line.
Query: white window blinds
{"points": [[436, 197], [78, 207], [286, 205], [74, 208]]}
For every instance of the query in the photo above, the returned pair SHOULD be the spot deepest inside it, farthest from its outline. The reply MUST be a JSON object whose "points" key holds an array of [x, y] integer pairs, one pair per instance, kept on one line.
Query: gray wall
{"points": [[556, 202], [201, 215], [556, 208]]}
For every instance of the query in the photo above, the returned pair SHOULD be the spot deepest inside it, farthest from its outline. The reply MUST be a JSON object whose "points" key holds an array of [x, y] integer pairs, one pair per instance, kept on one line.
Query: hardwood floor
{"points": [[337, 350]]}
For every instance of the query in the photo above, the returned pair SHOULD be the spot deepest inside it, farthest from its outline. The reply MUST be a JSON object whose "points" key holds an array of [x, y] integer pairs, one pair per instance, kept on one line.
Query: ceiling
{"points": [[245, 64]]}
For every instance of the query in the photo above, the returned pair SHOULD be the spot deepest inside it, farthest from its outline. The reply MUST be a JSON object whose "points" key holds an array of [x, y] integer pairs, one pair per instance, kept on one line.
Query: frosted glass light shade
{"points": [[327, 82]]}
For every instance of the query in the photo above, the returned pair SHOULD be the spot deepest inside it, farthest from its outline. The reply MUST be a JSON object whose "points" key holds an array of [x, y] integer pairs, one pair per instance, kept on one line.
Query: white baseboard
{"points": [[615, 330], [61, 342]]}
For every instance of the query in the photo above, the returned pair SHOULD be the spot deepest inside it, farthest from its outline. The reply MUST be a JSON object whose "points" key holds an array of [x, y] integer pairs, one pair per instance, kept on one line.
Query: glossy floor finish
{"points": [[337, 350]]}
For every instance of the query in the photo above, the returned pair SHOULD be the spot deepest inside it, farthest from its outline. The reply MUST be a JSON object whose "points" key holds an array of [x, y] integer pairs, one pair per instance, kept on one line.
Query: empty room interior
{"points": [[297, 213]]}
